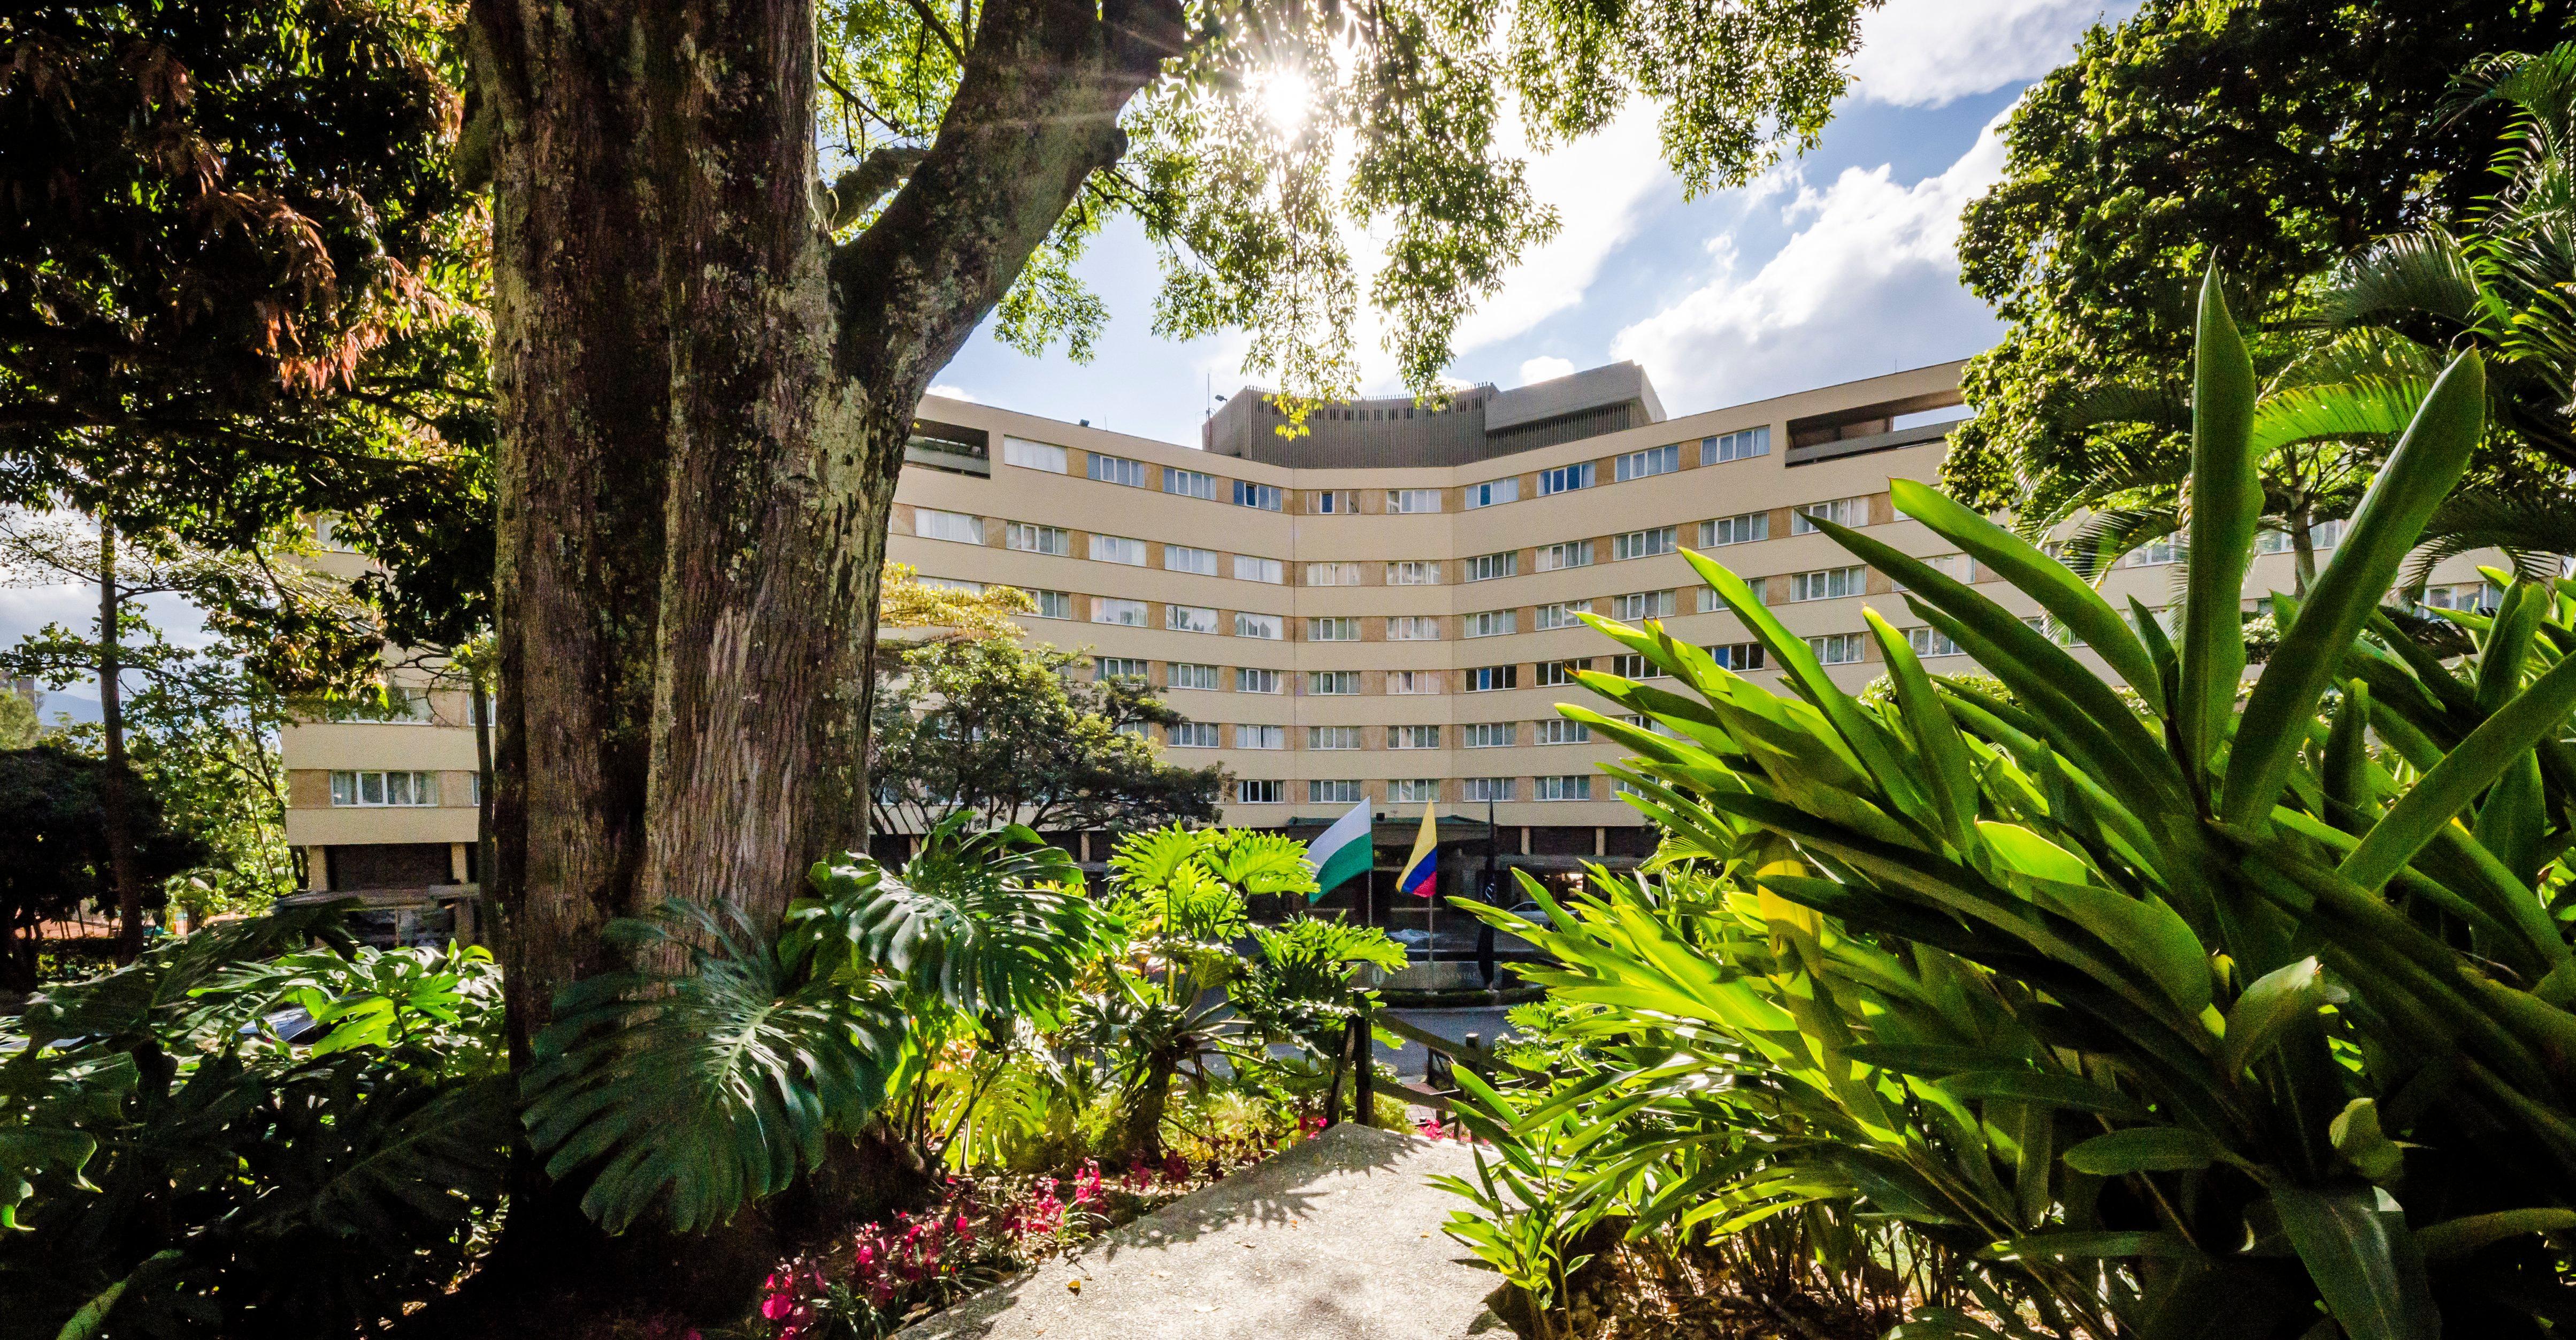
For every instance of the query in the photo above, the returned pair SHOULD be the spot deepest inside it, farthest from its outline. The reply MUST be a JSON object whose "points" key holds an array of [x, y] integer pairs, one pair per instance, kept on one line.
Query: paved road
{"points": [[1337, 1239]]}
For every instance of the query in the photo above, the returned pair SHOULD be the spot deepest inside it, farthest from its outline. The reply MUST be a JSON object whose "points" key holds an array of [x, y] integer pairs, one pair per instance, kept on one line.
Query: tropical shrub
{"points": [[174, 1166], [2165, 1011]]}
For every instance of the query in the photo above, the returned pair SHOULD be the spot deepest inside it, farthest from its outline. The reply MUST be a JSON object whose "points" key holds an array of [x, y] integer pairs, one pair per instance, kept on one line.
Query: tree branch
{"points": [[938, 28], [860, 188]]}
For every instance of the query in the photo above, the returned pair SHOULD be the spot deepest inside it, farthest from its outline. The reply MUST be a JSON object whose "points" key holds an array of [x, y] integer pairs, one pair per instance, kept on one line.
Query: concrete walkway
{"points": [[1336, 1239]]}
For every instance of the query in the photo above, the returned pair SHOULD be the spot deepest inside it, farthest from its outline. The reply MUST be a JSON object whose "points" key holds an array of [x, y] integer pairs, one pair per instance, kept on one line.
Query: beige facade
{"points": [[1394, 632]]}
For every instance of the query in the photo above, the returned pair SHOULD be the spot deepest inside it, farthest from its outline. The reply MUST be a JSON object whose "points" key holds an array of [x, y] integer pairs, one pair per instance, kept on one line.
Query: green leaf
{"points": [[2356, 1135], [2427, 462], [2459, 1237], [2034, 1086], [2087, 1246], [2362, 1260], [2226, 506], [2269, 1006], [2027, 852], [2145, 1149], [2534, 715]]}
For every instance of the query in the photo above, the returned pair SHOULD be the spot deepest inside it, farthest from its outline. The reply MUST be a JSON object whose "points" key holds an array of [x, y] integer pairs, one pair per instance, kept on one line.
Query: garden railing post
{"points": [[1363, 1070]]}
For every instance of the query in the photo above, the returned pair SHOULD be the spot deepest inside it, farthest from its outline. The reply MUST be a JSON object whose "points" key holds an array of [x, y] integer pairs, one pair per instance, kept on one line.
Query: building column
{"points": [[1601, 842], [456, 863], [317, 869]]}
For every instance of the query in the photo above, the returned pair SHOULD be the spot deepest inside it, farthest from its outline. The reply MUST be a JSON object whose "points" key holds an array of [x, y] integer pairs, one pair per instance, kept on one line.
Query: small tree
{"points": [[53, 803], [1010, 733]]}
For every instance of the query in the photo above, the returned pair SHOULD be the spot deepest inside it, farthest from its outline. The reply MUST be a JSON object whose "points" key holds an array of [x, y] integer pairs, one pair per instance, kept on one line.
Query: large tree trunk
{"points": [[704, 405], [115, 801]]}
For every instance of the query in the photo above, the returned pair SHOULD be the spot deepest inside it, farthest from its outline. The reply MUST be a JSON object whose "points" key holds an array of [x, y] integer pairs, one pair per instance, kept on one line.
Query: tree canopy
{"points": [[239, 282], [2276, 138], [51, 805]]}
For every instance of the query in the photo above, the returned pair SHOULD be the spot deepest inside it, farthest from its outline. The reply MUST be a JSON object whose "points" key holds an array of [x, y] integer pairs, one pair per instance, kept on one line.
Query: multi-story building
{"points": [[1382, 607]]}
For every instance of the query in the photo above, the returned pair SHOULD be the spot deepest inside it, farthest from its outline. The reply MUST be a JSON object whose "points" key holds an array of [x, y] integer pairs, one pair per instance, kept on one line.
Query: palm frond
{"points": [[2370, 409], [2535, 531], [2160, 405], [2101, 540], [2427, 273]]}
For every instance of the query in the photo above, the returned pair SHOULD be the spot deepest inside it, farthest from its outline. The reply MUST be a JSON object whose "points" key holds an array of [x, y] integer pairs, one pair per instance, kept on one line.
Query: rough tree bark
{"points": [[704, 403], [115, 802]]}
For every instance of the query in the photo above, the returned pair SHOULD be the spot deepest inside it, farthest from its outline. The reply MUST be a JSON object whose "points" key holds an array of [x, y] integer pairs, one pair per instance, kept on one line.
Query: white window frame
{"points": [[1928, 642], [1333, 628], [1412, 502], [1260, 737], [1564, 786], [1565, 554], [1267, 627], [1260, 497], [1490, 567], [1413, 737], [1560, 615], [1052, 604], [1638, 606], [1566, 479], [1488, 623], [1333, 683], [1413, 790], [1335, 791], [1413, 572], [1194, 735], [1255, 679], [1334, 738], [1031, 538], [1493, 492], [930, 523], [1838, 648], [1120, 611], [1193, 675], [1647, 543], [1840, 511], [1189, 618], [1413, 682], [1649, 463], [1106, 668], [1559, 730], [1489, 735], [1489, 788], [1260, 791], [1413, 628], [1189, 483], [1027, 455], [1184, 558], [1114, 549], [1740, 445], [350, 789], [1333, 574], [1101, 467], [1829, 583], [1254, 568], [1741, 528]]}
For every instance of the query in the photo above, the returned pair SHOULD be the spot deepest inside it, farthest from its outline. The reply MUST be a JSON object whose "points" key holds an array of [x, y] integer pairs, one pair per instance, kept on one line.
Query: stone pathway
{"points": [[1337, 1239]]}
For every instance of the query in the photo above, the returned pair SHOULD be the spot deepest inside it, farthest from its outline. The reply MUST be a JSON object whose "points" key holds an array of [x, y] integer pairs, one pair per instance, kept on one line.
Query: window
{"points": [[1128, 613], [1651, 461], [1493, 493], [1053, 604], [1561, 614], [1332, 574], [1737, 656], [1836, 648], [1487, 623], [1564, 479], [1414, 790], [2322, 535], [1841, 512], [1341, 628], [1635, 665], [1257, 625], [1414, 572], [1189, 483], [1333, 502], [1333, 737], [1106, 668], [1409, 501], [1489, 734], [1032, 455], [1486, 567], [1182, 558], [950, 584], [1740, 529], [1189, 618], [1735, 446], [957, 526], [1642, 543], [1710, 602], [1263, 496], [384, 788], [1271, 792], [1956, 567], [1828, 583], [1118, 549], [1413, 628], [1413, 681], [1194, 734], [2154, 553], [1554, 673], [1250, 569], [1261, 737], [1571, 554], [1930, 642], [1345, 792], [1490, 788], [1034, 539], [1115, 470], [1575, 787], [1413, 737], [2483, 597], [1249, 680], [1333, 683], [1558, 730], [1642, 605], [1488, 678], [1186, 675]]}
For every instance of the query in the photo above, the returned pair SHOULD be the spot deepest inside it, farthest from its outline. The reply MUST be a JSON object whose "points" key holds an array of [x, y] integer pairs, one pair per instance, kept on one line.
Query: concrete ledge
{"points": [[1336, 1239]]}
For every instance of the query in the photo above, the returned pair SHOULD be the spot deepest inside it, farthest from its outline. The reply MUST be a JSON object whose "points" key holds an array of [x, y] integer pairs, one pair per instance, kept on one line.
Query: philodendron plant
{"points": [[2180, 1005]]}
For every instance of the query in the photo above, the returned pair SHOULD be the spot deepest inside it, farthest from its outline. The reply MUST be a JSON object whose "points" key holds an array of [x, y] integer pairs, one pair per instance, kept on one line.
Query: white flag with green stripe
{"points": [[1343, 851]]}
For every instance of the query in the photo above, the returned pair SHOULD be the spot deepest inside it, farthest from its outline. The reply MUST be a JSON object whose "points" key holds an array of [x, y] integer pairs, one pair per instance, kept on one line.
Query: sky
{"points": [[1837, 265]]}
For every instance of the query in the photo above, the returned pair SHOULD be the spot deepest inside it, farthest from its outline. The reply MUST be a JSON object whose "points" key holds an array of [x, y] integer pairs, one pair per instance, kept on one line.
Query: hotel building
{"points": [[1381, 608]]}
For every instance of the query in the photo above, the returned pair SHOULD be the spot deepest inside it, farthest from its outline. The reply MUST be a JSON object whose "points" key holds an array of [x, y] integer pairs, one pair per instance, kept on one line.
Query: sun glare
{"points": [[1286, 99]]}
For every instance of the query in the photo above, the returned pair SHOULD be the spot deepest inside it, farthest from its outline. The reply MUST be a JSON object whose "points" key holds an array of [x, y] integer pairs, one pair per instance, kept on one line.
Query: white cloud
{"points": [[955, 392], [1922, 53], [1869, 282], [1546, 367], [1599, 186]]}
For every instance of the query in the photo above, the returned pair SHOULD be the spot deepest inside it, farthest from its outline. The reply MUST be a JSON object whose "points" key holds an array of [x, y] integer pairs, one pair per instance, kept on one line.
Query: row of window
{"points": [[1130, 473], [1415, 790], [371, 789], [1473, 735]]}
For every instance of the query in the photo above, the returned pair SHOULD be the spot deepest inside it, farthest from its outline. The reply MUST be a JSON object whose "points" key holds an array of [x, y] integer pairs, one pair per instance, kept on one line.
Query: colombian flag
{"points": [[1423, 866]]}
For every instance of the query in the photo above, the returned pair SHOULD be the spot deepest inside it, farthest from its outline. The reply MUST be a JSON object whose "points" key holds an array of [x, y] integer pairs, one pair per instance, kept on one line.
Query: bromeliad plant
{"points": [[2189, 1015]]}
